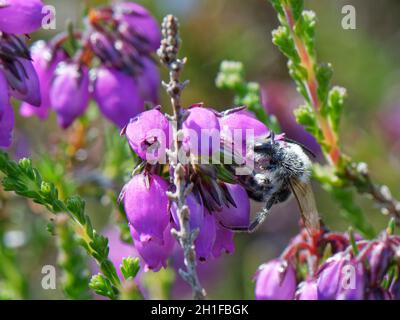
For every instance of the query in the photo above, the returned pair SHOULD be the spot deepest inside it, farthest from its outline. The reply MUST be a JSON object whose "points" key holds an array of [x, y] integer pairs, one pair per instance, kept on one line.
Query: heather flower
{"points": [[20, 16], [205, 240], [239, 215], [201, 126], [44, 61], [117, 95], [196, 208], [352, 282], [148, 134], [149, 81], [379, 260], [244, 125], [307, 290], [28, 89], [4, 98], [275, 280], [153, 253], [329, 276], [223, 241], [139, 21], [69, 93], [6, 126], [146, 206]]}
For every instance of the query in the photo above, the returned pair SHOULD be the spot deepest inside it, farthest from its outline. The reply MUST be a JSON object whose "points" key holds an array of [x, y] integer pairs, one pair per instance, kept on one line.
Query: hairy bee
{"points": [[281, 168]]}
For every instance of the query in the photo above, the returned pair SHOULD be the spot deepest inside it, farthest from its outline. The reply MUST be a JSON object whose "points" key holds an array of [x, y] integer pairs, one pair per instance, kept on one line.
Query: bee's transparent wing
{"points": [[306, 201]]}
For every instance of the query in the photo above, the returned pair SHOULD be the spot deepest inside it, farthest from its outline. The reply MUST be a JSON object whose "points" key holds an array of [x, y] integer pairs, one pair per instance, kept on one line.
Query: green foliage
{"points": [[130, 267], [102, 286], [72, 261], [231, 76], [26, 181]]}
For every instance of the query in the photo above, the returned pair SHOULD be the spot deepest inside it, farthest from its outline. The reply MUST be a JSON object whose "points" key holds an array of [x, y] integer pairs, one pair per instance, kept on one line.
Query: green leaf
{"points": [[130, 267], [324, 75], [282, 39], [336, 99], [102, 286]]}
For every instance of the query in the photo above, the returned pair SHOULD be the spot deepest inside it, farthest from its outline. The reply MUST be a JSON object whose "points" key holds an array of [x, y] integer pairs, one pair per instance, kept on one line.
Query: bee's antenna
{"points": [[302, 146]]}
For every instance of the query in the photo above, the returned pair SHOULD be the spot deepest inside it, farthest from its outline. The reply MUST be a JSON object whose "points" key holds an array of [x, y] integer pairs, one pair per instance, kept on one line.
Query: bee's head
{"points": [[267, 145]]}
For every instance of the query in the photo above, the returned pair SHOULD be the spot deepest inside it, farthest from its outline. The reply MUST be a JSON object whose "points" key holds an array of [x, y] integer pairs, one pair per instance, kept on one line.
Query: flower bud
{"points": [[20, 16], [146, 206], [238, 216], [148, 135], [275, 280], [24, 82], [69, 93], [117, 95]]}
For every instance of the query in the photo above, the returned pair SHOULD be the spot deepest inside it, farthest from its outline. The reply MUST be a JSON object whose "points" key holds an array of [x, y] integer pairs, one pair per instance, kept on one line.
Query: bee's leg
{"points": [[258, 220]]}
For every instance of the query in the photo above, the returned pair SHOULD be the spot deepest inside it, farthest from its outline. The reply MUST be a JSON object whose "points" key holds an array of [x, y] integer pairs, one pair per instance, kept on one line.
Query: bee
{"points": [[281, 168]]}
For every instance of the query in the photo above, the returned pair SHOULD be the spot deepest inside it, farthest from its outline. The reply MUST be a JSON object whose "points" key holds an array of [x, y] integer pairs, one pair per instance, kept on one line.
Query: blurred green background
{"points": [[366, 61]]}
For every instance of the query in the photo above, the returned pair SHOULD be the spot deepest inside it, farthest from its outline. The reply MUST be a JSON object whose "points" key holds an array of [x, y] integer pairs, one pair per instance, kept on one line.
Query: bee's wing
{"points": [[306, 201]]}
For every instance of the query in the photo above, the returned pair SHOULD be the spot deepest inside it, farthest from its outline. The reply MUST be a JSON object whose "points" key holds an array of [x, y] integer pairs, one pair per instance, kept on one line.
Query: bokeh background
{"points": [[366, 61]]}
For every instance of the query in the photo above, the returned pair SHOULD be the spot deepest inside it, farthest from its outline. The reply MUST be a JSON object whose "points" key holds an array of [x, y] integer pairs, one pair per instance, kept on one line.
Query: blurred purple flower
{"points": [[239, 216], [148, 134], [45, 62], [26, 82], [20, 16], [153, 253], [275, 280], [6, 126], [206, 238], [117, 95], [201, 125], [119, 249], [280, 99], [307, 290], [69, 93], [4, 98], [149, 81], [139, 21], [146, 206]]}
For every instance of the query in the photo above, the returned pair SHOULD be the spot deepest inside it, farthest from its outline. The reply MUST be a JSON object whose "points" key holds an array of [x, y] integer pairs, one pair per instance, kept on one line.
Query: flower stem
{"points": [[168, 52]]}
